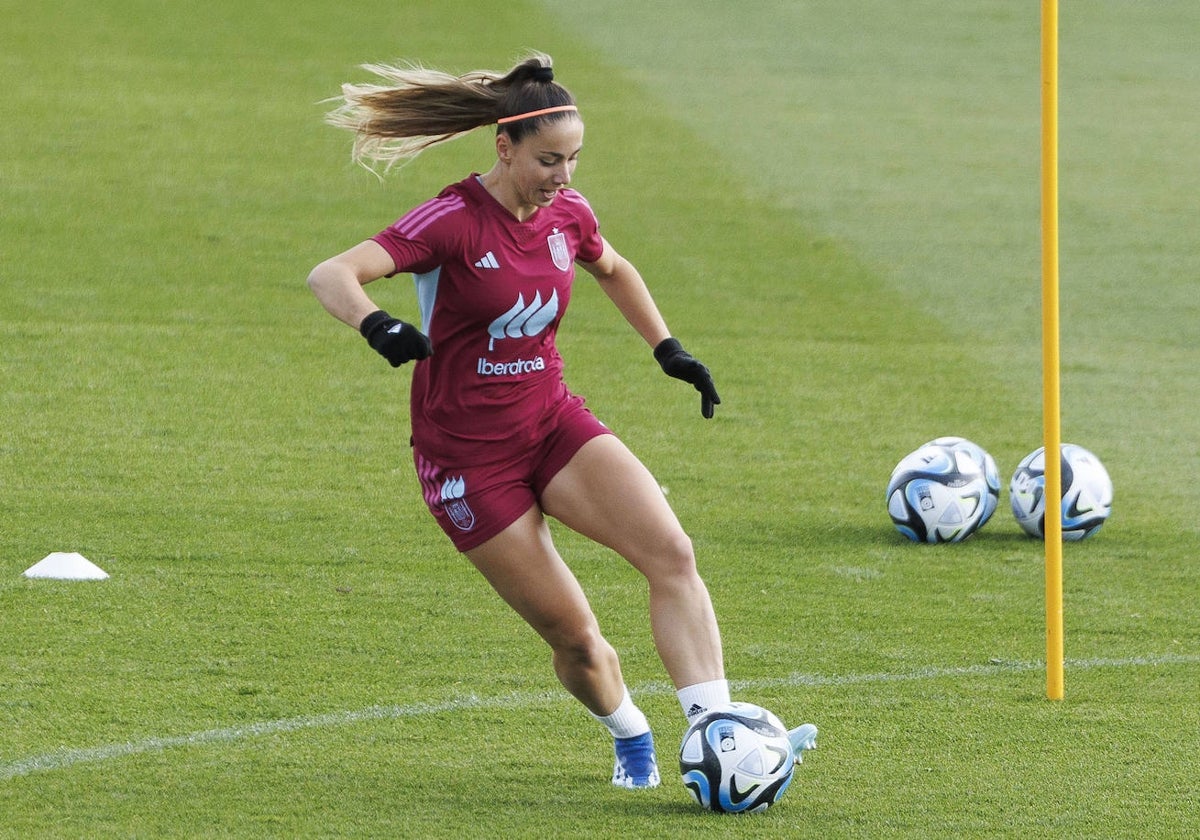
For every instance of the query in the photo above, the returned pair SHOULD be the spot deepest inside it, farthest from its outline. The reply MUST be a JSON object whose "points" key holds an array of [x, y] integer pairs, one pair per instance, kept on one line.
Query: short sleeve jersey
{"points": [[491, 291]]}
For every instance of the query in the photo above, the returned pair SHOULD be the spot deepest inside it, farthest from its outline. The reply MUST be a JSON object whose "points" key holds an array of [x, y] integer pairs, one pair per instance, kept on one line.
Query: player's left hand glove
{"points": [[677, 362]]}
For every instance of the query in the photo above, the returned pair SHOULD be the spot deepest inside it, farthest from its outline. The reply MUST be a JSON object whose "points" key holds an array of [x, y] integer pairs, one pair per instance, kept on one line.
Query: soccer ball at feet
{"points": [[736, 759]]}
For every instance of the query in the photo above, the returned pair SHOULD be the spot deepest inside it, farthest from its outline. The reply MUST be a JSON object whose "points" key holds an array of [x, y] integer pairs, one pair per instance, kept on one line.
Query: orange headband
{"points": [[556, 109]]}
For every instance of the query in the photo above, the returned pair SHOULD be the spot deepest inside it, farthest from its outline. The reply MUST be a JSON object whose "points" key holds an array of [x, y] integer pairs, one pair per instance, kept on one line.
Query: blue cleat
{"points": [[803, 737], [636, 765]]}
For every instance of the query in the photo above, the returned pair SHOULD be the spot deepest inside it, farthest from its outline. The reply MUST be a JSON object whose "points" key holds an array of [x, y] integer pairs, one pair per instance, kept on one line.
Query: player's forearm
{"points": [[339, 291], [628, 291]]}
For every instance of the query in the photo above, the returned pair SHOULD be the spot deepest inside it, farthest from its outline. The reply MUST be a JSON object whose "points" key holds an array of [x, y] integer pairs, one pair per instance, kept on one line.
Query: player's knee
{"points": [[680, 555], [583, 647], [674, 561]]}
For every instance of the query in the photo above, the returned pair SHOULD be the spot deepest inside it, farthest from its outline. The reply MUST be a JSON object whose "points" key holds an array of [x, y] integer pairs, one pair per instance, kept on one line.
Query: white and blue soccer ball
{"points": [[943, 491], [986, 462], [736, 759], [1087, 493]]}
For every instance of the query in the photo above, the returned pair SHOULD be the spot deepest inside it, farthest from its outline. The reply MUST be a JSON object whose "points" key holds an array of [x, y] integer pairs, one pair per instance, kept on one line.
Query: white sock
{"points": [[627, 721], [699, 698]]}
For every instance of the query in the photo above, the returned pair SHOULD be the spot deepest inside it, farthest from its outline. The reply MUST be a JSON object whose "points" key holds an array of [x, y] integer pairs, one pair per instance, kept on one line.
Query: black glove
{"points": [[393, 339], [677, 362]]}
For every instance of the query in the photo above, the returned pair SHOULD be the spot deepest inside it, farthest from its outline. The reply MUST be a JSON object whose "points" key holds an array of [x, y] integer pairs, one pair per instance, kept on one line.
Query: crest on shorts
{"points": [[558, 250], [460, 513]]}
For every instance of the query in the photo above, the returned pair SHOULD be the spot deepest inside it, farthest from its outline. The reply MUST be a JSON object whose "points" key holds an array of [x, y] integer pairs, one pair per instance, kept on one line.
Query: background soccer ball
{"points": [[942, 492], [736, 759], [1087, 493], [986, 462]]}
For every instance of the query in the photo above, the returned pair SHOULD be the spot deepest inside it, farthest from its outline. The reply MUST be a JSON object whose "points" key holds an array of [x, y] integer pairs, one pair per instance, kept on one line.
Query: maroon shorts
{"points": [[474, 502]]}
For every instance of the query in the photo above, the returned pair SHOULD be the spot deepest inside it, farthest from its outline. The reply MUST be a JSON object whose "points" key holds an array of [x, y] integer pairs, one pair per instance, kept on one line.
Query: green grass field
{"points": [[836, 206]]}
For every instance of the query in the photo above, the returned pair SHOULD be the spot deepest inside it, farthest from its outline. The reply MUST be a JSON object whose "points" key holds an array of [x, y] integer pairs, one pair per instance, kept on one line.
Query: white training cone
{"points": [[63, 565]]}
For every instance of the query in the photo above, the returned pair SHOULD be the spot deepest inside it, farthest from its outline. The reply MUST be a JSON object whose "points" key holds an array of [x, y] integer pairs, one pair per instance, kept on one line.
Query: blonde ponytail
{"points": [[415, 107]]}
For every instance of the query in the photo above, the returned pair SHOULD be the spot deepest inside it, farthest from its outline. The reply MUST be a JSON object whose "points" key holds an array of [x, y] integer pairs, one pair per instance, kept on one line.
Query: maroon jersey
{"points": [[491, 292]]}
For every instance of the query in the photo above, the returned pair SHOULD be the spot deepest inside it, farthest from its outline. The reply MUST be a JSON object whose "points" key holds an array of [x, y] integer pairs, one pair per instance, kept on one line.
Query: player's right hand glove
{"points": [[395, 340]]}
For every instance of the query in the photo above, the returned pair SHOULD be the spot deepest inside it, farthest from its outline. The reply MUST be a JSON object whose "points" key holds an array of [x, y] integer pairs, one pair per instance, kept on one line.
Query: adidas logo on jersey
{"points": [[488, 260]]}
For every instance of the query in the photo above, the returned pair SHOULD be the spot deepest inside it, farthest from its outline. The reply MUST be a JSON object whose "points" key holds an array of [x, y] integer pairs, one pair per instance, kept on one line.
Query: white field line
{"points": [[64, 758]]}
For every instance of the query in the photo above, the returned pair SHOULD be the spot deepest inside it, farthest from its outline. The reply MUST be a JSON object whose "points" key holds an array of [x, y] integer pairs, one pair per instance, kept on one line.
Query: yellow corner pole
{"points": [[1051, 409]]}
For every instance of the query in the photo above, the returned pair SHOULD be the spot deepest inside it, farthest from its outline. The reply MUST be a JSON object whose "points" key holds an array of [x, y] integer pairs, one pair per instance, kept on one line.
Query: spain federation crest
{"points": [[558, 250], [456, 506]]}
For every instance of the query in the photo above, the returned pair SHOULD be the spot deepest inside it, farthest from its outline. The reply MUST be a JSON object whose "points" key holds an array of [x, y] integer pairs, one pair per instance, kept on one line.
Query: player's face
{"points": [[543, 163]]}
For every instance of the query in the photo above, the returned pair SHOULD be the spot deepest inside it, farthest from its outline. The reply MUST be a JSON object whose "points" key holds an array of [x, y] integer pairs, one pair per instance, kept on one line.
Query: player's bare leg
{"points": [[523, 566], [608, 495]]}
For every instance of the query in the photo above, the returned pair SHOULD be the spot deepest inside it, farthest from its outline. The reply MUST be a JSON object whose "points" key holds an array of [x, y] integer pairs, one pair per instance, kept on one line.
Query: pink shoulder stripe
{"points": [[422, 216]]}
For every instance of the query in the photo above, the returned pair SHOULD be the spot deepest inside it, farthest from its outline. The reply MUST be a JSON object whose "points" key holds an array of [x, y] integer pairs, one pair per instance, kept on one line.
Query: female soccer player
{"points": [[498, 440]]}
